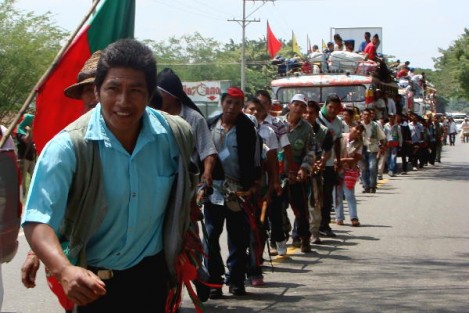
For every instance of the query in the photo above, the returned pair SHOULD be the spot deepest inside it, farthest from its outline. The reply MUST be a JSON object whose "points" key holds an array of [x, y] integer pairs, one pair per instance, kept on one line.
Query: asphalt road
{"points": [[411, 254]]}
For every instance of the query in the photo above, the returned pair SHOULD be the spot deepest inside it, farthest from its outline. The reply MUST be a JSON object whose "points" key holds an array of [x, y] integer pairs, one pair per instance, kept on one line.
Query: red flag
{"points": [[273, 44], [113, 20]]}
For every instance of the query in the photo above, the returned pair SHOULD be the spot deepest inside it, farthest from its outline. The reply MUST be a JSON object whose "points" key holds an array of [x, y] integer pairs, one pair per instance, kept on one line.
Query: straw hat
{"points": [[85, 76]]}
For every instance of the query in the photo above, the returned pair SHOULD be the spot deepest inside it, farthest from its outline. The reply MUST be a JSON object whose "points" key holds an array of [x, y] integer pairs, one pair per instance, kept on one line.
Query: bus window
{"points": [[346, 93], [311, 93]]}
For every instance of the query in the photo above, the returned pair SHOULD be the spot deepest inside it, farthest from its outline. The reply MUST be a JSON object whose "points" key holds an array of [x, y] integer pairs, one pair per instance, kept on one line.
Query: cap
{"points": [[235, 92], [299, 97], [85, 76]]}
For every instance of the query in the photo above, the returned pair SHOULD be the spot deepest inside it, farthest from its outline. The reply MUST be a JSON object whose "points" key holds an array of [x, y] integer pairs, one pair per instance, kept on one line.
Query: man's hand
{"points": [[81, 285], [29, 270]]}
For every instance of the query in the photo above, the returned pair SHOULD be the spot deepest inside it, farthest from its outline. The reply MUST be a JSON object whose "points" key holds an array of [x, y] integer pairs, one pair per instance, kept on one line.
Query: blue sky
{"points": [[412, 29]]}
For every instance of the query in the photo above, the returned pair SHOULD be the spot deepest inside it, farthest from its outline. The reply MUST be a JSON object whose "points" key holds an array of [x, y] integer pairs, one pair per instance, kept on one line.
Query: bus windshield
{"points": [[354, 93]]}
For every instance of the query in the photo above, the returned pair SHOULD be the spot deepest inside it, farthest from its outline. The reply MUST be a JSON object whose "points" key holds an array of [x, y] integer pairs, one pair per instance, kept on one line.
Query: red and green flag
{"points": [[113, 20]]}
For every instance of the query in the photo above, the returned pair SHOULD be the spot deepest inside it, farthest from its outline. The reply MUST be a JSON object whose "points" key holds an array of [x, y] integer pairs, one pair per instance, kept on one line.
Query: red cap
{"points": [[235, 92]]}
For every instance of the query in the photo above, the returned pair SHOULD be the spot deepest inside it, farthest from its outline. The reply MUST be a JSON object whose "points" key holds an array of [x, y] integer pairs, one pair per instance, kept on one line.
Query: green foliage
{"points": [[195, 58], [28, 45], [451, 77]]}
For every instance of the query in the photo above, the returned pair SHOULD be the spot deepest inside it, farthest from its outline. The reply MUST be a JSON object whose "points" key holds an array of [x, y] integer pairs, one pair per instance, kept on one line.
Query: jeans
{"points": [[238, 231], [452, 139], [339, 192], [392, 156], [370, 170]]}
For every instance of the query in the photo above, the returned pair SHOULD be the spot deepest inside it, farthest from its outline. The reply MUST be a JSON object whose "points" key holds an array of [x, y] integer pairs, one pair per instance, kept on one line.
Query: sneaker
{"points": [[355, 222], [390, 173], [258, 281], [281, 247], [339, 222], [317, 241], [273, 251], [237, 290], [372, 190], [415, 168], [380, 177], [216, 293], [327, 233], [296, 242], [305, 246], [366, 190]]}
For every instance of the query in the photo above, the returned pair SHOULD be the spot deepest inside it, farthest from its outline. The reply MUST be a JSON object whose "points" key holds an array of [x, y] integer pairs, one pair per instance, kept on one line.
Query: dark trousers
{"points": [[416, 156], [452, 139], [298, 199], [405, 152], [276, 209], [432, 154], [142, 288], [238, 231], [330, 180]]}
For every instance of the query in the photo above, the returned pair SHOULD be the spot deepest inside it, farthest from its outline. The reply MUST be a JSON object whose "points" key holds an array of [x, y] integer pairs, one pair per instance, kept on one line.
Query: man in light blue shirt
{"points": [[139, 158]]}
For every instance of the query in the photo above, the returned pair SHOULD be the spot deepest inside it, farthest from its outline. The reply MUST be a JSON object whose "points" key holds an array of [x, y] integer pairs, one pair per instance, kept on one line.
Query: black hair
{"points": [[127, 53], [333, 97], [314, 105], [349, 111], [264, 93], [368, 34], [253, 100], [337, 36], [359, 125]]}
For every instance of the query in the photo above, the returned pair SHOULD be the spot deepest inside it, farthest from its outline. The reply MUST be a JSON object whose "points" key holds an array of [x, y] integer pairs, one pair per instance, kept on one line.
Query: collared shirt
{"points": [[279, 128], [137, 187], [393, 133], [227, 147], [416, 132], [202, 137]]}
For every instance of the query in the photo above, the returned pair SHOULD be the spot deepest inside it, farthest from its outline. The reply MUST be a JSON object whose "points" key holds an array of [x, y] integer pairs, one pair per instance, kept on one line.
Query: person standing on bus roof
{"points": [[364, 43]]}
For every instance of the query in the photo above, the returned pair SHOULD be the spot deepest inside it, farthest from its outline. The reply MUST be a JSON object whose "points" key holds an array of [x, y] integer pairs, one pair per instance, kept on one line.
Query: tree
{"points": [[196, 58], [451, 77], [28, 45]]}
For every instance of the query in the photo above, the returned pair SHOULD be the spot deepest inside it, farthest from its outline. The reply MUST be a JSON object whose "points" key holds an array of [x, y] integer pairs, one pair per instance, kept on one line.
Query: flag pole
{"points": [[53, 65]]}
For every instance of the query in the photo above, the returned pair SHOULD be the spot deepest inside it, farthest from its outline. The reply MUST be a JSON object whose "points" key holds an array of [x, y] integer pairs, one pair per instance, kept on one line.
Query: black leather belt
{"points": [[106, 274]]}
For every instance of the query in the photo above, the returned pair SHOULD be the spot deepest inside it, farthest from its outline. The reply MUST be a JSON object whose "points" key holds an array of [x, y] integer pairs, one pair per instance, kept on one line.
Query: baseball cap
{"points": [[299, 97]]}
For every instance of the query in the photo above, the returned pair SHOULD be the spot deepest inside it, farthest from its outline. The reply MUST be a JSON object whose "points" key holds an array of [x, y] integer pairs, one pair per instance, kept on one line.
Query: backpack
{"points": [[10, 205]]}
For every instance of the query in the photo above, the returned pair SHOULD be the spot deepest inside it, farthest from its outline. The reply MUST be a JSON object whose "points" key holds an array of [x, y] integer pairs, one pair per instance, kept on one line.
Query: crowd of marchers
{"points": [[117, 188]]}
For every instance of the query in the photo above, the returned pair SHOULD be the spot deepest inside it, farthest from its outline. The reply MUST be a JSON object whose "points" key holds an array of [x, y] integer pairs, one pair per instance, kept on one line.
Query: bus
{"points": [[351, 88]]}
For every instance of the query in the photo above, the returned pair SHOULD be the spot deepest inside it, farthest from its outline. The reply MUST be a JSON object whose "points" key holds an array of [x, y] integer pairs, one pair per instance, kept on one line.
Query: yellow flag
{"points": [[324, 46], [295, 46]]}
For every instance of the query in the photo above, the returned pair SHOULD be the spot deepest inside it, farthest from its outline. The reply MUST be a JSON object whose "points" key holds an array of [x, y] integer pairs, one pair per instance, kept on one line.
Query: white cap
{"points": [[299, 97]]}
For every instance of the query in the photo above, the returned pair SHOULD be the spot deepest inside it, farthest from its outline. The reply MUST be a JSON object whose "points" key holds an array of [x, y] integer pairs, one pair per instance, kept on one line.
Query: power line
{"points": [[244, 22]]}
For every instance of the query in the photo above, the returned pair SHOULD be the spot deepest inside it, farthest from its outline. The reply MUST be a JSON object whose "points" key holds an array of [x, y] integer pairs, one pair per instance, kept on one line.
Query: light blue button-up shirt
{"points": [[137, 188]]}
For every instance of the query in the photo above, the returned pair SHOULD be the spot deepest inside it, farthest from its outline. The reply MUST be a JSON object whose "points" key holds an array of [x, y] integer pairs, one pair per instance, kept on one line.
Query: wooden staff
{"points": [[53, 65]]}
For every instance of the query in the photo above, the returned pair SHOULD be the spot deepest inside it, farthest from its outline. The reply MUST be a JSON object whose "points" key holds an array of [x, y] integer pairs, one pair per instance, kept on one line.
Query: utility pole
{"points": [[244, 23]]}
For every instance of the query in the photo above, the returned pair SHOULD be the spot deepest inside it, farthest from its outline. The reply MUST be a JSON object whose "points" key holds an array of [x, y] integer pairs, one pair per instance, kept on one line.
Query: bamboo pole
{"points": [[53, 65]]}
